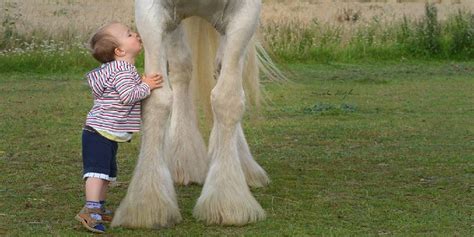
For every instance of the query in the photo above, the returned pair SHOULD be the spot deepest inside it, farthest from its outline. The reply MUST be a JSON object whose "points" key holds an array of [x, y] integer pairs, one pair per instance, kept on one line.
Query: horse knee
{"points": [[228, 107], [160, 100], [181, 72]]}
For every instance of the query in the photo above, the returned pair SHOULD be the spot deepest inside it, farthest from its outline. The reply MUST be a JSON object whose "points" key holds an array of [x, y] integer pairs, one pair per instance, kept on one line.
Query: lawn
{"points": [[383, 148]]}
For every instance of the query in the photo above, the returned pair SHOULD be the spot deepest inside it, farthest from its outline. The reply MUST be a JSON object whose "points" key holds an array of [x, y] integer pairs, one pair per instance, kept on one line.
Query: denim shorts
{"points": [[98, 156]]}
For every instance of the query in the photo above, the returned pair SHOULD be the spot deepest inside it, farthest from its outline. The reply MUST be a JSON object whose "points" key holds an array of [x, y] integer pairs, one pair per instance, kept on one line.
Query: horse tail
{"points": [[203, 40]]}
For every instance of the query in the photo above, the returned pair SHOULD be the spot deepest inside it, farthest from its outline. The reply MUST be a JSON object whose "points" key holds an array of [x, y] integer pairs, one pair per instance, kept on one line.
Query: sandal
{"points": [[84, 216], [106, 214]]}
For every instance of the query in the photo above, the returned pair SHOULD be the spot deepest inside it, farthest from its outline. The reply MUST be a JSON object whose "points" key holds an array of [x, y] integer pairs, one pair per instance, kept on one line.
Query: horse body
{"points": [[211, 10], [172, 148], [216, 12]]}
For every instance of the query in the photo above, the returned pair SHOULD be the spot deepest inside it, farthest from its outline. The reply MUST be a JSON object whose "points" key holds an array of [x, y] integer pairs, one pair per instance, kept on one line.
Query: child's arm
{"points": [[130, 92]]}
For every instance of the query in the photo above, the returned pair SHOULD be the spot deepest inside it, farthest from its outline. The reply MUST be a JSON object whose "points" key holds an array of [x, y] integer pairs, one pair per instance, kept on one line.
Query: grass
{"points": [[369, 149], [425, 38]]}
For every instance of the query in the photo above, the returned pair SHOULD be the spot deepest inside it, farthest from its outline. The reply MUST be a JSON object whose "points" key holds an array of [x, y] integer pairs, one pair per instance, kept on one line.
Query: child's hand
{"points": [[153, 81]]}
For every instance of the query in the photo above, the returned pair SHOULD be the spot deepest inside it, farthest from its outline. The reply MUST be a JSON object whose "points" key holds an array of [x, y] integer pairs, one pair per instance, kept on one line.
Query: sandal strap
{"points": [[106, 211], [91, 222], [88, 211]]}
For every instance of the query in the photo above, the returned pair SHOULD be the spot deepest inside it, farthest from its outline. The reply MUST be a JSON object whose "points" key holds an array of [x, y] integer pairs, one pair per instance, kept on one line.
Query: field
{"points": [[295, 30], [374, 149], [373, 136], [66, 19]]}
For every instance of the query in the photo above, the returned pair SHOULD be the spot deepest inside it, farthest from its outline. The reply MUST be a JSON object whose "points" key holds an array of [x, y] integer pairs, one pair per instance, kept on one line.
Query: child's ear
{"points": [[119, 52]]}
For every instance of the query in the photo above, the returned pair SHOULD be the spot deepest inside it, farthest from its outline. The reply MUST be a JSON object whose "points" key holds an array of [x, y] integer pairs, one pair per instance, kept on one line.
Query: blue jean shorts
{"points": [[98, 156]]}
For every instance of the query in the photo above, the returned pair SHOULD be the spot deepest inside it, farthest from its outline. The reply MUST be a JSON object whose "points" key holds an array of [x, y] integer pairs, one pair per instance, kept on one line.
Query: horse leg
{"points": [[185, 149], [150, 201], [226, 198], [254, 174]]}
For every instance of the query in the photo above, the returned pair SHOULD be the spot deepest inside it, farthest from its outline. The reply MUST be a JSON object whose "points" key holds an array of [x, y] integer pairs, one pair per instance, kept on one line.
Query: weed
{"points": [[330, 109], [460, 29], [428, 32]]}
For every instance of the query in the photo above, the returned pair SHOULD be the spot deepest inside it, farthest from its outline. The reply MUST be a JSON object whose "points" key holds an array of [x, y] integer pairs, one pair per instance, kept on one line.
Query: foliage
{"points": [[461, 32], [425, 38], [290, 41]]}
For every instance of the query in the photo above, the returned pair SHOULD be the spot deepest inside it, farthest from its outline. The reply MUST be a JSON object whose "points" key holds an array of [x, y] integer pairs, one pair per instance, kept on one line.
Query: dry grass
{"points": [[66, 20], [63, 19], [355, 12]]}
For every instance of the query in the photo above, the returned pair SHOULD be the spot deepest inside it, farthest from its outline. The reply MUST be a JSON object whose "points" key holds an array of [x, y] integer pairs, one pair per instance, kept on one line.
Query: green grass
{"points": [[370, 149], [426, 38]]}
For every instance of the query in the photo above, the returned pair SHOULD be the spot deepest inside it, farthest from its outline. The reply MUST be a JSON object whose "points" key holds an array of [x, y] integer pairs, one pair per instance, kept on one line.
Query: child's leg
{"points": [[94, 189], [103, 193], [98, 155], [90, 216], [106, 214], [96, 194], [100, 165]]}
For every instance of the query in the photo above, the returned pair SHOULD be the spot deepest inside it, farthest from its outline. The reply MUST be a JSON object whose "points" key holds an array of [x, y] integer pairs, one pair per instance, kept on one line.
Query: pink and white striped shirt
{"points": [[118, 90]]}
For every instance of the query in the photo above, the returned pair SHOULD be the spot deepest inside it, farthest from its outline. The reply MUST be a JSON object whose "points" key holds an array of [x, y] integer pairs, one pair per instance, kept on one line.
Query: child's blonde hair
{"points": [[102, 44]]}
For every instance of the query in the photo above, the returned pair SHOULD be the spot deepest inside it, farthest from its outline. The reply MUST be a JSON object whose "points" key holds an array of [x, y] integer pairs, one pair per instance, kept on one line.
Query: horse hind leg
{"points": [[186, 153], [255, 175]]}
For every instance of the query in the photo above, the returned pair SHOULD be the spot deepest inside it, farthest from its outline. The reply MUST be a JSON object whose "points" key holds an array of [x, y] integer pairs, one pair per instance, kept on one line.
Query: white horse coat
{"points": [[218, 36]]}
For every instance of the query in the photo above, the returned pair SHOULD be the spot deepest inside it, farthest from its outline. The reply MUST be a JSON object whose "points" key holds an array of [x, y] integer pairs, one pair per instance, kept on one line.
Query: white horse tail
{"points": [[204, 42]]}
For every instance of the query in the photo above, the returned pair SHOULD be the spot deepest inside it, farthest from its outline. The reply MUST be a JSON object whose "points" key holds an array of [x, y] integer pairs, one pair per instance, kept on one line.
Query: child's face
{"points": [[129, 41]]}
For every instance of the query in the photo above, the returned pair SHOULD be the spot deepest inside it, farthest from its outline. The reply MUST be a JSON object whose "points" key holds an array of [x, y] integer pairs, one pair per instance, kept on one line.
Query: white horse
{"points": [[217, 39]]}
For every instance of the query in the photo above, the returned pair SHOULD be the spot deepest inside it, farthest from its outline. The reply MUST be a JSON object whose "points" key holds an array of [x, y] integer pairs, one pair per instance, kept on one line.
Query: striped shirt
{"points": [[117, 89]]}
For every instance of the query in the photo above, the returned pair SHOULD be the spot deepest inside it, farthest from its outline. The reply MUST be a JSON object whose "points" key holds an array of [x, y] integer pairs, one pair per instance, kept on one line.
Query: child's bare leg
{"points": [[94, 187], [103, 192], [106, 213]]}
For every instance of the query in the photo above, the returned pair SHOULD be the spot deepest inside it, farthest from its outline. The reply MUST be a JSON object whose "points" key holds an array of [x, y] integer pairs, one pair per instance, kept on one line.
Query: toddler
{"points": [[118, 90]]}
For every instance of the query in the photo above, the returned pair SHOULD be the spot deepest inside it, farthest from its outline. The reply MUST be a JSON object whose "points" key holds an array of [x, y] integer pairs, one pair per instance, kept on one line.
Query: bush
{"points": [[460, 30], [426, 38]]}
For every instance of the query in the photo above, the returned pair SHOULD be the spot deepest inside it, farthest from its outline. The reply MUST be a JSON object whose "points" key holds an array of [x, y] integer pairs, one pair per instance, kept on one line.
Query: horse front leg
{"points": [[150, 201], [226, 198]]}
